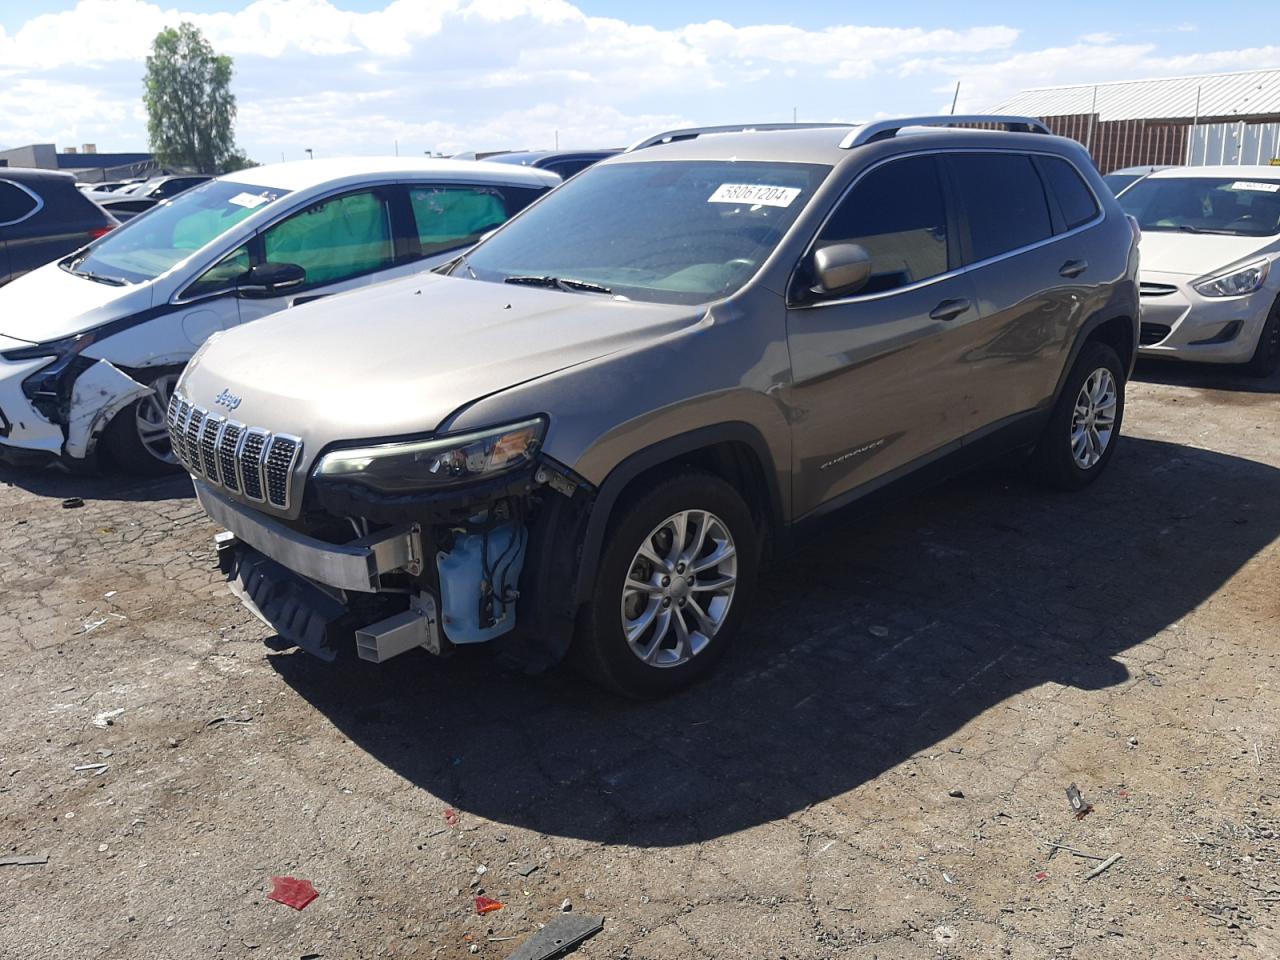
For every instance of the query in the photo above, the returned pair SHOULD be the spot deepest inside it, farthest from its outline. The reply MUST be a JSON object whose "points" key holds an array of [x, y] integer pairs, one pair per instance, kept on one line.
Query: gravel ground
{"points": [[986, 639]]}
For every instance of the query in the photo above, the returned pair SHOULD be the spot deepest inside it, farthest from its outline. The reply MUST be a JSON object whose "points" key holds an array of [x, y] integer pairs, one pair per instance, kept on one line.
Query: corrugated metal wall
{"points": [[1140, 143], [1212, 143]]}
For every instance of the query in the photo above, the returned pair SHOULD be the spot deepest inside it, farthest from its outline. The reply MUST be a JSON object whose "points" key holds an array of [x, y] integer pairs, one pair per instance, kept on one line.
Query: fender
{"points": [[672, 448], [1115, 310]]}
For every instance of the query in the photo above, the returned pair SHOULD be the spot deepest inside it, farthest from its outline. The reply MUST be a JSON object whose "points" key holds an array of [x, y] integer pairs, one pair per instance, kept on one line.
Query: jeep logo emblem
{"points": [[227, 399]]}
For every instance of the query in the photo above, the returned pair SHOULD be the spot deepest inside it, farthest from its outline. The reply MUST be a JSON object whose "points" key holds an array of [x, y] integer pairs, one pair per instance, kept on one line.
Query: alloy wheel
{"points": [[1094, 418], [679, 587], [150, 414]]}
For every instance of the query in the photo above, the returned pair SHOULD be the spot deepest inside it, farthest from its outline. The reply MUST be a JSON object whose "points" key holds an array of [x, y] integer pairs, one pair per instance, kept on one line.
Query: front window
{"points": [[148, 246], [336, 239], [665, 231], [1241, 206]]}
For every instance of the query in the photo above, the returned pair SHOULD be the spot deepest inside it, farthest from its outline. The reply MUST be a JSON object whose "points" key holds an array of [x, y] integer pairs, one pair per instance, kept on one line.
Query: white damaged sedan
{"points": [[1209, 281], [92, 345]]}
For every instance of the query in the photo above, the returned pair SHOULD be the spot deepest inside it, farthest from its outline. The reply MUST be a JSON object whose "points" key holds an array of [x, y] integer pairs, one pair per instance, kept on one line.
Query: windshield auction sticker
{"points": [[1256, 185], [757, 194], [249, 200]]}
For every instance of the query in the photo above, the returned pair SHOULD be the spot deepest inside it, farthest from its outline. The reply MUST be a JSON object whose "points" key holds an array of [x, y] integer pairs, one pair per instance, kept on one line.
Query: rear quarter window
{"points": [[1074, 197], [15, 203]]}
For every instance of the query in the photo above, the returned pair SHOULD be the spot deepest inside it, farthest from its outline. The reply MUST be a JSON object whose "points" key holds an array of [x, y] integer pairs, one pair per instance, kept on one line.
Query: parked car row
{"points": [[578, 419]]}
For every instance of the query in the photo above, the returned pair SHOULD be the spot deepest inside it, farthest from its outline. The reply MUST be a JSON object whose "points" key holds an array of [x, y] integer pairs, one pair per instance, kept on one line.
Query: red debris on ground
{"points": [[451, 816], [292, 892], [1040, 876], [486, 905]]}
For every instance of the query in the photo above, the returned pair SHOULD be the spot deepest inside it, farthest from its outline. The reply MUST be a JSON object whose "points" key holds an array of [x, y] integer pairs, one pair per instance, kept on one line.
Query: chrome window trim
{"points": [[950, 274], [30, 193]]}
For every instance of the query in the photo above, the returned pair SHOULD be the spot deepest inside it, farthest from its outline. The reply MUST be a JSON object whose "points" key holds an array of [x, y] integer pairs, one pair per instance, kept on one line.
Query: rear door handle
{"points": [[949, 309], [1073, 268]]}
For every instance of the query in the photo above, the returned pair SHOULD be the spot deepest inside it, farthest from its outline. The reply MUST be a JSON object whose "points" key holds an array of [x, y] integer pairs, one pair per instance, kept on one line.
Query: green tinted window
{"points": [[452, 217], [334, 240], [222, 275]]}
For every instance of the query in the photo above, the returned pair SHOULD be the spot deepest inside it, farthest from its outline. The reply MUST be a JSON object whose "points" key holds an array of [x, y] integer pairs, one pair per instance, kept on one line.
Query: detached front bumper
{"points": [[1178, 323]]}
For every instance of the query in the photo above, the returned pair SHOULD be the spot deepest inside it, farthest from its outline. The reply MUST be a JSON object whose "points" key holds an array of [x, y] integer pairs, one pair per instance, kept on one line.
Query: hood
{"points": [[49, 303], [397, 358], [1196, 254]]}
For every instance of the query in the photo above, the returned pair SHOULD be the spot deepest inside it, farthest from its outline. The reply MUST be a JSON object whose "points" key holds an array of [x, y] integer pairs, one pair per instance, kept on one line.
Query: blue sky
{"points": [[361, 76]]}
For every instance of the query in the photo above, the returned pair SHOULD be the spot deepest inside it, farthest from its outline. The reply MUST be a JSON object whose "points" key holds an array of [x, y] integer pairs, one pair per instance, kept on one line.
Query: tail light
{"points": [[97, 232]]}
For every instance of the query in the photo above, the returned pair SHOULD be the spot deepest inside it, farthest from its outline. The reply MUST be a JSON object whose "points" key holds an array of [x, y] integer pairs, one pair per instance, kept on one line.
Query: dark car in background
{"points": [[566, 163], [43, 217], [130, 201]]}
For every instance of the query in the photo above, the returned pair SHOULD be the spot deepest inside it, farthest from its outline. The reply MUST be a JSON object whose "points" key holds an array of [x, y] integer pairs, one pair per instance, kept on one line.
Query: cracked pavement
{"points": [[985, 638]]}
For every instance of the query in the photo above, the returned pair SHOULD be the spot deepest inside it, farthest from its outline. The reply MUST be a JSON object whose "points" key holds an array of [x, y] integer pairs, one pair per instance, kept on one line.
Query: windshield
{"points": [[665, 231], [1239, 207], [148, 245]]}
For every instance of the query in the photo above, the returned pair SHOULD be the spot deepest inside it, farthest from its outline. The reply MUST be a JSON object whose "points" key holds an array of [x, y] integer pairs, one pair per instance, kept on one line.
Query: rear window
{"points": [[15, 203], [1004, 201], [1074, 196]]}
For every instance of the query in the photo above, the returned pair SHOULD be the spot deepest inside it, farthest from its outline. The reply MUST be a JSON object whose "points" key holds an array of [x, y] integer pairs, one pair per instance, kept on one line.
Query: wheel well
{"points": [[1116, 333]]}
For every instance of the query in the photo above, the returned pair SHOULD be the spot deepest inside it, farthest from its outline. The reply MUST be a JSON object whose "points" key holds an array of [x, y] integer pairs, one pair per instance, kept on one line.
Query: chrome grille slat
{"points": [[249, 461]]}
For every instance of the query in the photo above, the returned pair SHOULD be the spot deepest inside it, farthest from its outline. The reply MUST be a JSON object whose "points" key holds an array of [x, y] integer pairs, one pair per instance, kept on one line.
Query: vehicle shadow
{"points": [[57, 483], [863, 650], [1204, 376]]}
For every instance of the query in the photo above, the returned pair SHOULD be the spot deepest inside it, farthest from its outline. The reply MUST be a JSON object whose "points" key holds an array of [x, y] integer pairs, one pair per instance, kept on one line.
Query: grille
{"points": [[1153, 333], [244, 460], [1156, 289]]}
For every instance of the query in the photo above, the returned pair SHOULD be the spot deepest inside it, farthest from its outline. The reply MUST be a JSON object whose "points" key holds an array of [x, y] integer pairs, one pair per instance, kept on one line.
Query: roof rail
{"points": [[691, 133], [887, 129]]}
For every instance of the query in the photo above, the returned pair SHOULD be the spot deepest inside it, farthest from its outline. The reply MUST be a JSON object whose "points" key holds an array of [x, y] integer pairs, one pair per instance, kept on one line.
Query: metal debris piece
{"points": [[1104, 865], [1078, 804], [28, 861], [559, 936], [95, 767], [71, 503]]}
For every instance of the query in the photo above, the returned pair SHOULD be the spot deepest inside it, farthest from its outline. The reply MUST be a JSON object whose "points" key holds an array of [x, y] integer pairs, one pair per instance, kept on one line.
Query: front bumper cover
{"points": [[1190, 326]]}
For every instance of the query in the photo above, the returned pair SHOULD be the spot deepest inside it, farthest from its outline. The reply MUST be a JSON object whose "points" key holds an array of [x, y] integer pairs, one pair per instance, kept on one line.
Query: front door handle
{"points": [[1073, 268], [949, 309]]}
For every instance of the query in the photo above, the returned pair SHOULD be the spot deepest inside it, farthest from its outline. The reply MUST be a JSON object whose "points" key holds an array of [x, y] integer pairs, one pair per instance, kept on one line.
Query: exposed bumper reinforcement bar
{"points": [[351, 566]]}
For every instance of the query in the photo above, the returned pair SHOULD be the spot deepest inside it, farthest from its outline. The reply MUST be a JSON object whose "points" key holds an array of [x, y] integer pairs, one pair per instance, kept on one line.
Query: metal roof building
{"points": [[1211, 118]]}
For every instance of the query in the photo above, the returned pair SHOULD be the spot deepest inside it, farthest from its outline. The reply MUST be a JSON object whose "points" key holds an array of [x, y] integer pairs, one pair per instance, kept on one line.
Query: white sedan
{"points": [[1209, 280], [92, 345]]}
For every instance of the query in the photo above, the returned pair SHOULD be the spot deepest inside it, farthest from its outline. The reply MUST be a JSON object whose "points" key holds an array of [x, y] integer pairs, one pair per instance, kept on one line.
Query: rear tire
{"points": [[1084, 427], [1266, 355], [135, 440], [679, 563]]}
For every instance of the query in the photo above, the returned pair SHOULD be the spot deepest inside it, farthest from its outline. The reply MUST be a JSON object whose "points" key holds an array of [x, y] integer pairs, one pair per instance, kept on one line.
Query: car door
{"points": [[878, 376], [342, 242], [1030, 272]]}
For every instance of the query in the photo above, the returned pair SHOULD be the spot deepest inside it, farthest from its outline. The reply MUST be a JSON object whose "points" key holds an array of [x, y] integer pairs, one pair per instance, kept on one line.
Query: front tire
{"points": [[679, 564], [1084, 427], [137, 439], [1266, 355]]}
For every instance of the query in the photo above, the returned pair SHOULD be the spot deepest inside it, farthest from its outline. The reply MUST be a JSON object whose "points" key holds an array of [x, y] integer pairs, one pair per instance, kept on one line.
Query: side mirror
{"points": [[270, 280], [840, 268]]}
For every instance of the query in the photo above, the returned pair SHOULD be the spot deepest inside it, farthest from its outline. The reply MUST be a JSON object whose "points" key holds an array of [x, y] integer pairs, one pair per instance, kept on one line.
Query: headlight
{"points": [[1239, 281], [445, 461], [68, 346]]}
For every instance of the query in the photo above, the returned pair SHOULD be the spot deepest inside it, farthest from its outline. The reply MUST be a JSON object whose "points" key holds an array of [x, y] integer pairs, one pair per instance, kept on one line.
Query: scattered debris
{"points": [[560, 935], [488, 905], [292, 892], [947, 877], [957, 793], [451, 816], [95, 767], [1104, 865], [1041, 876], [481, 870], [219, 721], [565, 905], [1071, 850], [33, 860], [103, 753], [172, 741], [71, 503], [944, 934], [1078, 804], [107, 718], [524, 869], [878, 631]]}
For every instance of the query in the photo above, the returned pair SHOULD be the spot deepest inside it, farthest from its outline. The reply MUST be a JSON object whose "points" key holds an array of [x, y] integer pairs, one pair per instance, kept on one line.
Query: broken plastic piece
{"points": [[561, 934], [71, 503], [451, 816], [292, 892], [1040, 876], [1078, 804], [487, 905]]}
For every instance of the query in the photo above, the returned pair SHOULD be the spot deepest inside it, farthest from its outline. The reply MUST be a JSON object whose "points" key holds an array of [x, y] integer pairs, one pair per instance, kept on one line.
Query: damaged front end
{"points": [[432, 544], [57, 402]]}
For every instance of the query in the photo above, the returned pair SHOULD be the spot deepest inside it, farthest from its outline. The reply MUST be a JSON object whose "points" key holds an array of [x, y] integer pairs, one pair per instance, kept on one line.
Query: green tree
{"points": [[190, 107]]}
